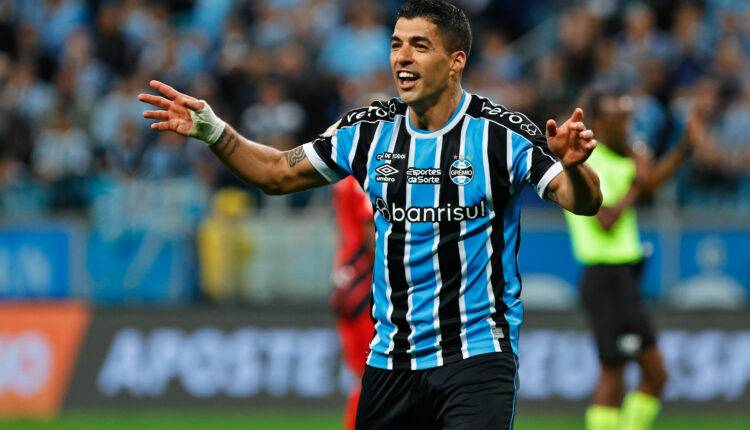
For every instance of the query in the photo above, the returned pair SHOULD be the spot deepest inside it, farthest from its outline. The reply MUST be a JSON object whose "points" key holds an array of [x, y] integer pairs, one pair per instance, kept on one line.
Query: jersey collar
{"points": [[452, 121]]}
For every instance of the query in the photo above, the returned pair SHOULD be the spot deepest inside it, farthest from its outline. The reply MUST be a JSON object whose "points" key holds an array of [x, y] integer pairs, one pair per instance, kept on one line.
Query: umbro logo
{"points": [[385, 172]]}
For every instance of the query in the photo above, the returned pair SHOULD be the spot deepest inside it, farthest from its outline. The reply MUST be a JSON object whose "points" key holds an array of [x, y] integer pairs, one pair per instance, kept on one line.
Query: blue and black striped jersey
{"points": [[447, 213]]}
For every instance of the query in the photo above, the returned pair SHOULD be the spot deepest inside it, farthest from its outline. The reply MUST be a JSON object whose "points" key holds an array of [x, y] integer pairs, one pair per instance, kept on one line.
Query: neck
{"points": [[434, 113]]}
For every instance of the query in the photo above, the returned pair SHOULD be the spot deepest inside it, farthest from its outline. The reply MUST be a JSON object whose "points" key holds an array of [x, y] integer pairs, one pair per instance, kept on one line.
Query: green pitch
{"points": [[324, 421]]}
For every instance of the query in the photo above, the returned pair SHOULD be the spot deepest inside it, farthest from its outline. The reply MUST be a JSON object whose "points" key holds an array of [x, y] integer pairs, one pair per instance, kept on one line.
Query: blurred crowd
{"points": [[281, 71]]}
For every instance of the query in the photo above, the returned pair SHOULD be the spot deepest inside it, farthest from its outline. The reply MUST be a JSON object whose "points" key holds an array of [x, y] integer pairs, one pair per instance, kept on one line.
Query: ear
{"points": [[458, 62]]}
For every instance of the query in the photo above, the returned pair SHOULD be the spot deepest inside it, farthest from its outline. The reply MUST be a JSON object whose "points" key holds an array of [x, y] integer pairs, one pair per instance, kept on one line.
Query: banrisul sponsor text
{"points": [[414, 214]]}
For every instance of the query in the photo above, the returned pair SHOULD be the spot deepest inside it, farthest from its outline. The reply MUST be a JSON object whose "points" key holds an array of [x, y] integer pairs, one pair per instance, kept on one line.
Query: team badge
{"points": [[461, 172]]}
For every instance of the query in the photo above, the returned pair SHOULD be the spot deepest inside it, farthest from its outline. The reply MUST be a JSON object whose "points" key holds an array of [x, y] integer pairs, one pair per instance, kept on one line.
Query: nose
{"points": [[403, 56]]}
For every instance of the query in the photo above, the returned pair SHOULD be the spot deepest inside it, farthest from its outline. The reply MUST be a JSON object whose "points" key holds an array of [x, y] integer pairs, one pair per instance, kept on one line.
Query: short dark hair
{"points": [[593, 100], [449, 19]]}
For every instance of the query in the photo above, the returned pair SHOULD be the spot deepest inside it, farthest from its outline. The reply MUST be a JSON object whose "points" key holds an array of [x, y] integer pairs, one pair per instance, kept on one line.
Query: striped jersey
{"points": [[446, 205]]}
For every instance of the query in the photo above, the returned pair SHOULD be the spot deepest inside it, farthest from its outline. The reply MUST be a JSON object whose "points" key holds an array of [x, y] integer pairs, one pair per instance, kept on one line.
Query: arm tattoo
{"points": [[226, 145], [294, 156]]}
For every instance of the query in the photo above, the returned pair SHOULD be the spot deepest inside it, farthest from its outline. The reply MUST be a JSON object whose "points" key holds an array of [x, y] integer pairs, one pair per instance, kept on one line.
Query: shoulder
{"points": [[501, 116], [380, 110]]}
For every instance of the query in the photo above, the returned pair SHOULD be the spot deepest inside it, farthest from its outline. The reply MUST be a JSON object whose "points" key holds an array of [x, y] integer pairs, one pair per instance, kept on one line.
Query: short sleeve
{"points": [[332, 153], [532, 163]]}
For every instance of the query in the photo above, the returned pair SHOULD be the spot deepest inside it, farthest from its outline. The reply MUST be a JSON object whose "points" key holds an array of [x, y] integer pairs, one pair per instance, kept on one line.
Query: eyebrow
{"points": [[414, 39]]}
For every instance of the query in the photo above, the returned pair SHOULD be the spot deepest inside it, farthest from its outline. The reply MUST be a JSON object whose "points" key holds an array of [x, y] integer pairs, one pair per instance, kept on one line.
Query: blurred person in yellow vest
{"points": [[608, 246], [225, 246]]}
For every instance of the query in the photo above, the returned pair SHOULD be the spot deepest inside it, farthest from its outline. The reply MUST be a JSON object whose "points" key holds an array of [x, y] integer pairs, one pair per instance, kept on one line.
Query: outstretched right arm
{"points": [[271, 170]]}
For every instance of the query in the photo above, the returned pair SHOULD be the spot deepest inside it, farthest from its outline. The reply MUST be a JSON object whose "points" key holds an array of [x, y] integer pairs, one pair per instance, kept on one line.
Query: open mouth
{"points": [[407, 80]]}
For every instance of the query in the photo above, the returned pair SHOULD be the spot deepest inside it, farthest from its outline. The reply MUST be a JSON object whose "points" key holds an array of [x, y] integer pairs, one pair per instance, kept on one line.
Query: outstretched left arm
{"points": [[576, 188]]}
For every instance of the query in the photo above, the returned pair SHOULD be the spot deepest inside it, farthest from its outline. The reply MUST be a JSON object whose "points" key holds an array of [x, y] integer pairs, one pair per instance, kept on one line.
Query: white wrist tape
{"points": [[206, 125]]}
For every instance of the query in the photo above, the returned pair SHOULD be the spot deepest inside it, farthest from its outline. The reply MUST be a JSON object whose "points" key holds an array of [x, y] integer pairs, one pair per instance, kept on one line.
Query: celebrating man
{"points": [[443, 170]]}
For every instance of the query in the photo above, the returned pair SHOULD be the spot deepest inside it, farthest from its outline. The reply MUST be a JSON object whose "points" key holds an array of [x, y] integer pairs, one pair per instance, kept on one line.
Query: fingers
{"points": [[193, 104], [577, 115], [587, 135], [590, 145], [577, 126], [172, 94], [156, 114], [165, 89], [157, 101], [551, 128], [161, 126], [161, 102]]}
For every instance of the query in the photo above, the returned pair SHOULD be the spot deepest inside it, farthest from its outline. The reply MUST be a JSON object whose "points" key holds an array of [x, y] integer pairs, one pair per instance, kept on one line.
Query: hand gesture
{"points": [[571, 142], [176, 107], [182, 114]]}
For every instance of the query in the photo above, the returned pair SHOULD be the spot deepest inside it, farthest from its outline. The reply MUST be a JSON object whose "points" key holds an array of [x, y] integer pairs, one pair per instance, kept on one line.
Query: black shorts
{"points": [[612, 301], [476, 393]]}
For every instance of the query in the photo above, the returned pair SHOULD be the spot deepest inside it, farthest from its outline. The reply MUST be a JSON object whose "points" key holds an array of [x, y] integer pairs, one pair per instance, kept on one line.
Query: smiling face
{"points": [[422, 66]]}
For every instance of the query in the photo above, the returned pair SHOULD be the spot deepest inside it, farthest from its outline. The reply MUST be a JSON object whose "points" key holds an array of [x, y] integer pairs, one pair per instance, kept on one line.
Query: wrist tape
{"points": [[206, 125]]}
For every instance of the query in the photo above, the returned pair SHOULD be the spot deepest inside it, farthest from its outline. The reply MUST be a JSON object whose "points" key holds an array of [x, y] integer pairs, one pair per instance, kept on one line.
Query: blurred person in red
{"points": [[352, 278]]}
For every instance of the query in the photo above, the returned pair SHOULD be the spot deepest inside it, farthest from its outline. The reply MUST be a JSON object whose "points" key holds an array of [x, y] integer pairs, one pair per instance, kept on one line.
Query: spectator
{"points": [[359, 48], [273, 115], [62, 157]]}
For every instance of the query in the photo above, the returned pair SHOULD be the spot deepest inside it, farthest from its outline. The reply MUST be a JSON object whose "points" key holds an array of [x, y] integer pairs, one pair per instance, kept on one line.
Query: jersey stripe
{"points": [[462, 247], [491, 320], [436, 262], [382, 306], [422, 271], [478, 323], [369, 160], [449, 258], [519, 153], [359, 155], [395, 244], [344, 139], [407, 254], [512, 291], [501, 172]]}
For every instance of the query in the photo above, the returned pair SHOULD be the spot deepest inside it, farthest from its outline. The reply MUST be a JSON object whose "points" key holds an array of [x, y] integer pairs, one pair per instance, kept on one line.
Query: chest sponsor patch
{"points": [[423, 176]]}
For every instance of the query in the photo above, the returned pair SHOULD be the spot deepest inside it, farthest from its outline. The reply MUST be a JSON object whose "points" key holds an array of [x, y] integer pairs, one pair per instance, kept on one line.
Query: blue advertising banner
{"points": [[34, 262], [712, 264], [140, 268], [140, 247]]}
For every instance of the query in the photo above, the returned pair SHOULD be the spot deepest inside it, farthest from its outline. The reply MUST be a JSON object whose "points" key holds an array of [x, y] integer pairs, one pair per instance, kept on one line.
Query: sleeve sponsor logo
{"points": [[514, 118], [374, 111]]}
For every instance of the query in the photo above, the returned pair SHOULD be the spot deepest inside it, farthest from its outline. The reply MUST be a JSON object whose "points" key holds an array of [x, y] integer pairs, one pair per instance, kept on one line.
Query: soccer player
{"points": [[443, 170], [609, 248], [352, 277]]}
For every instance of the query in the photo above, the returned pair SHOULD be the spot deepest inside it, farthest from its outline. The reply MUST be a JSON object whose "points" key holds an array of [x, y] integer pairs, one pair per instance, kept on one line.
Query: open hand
{"points": [[175, 109], [571, 142]]}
